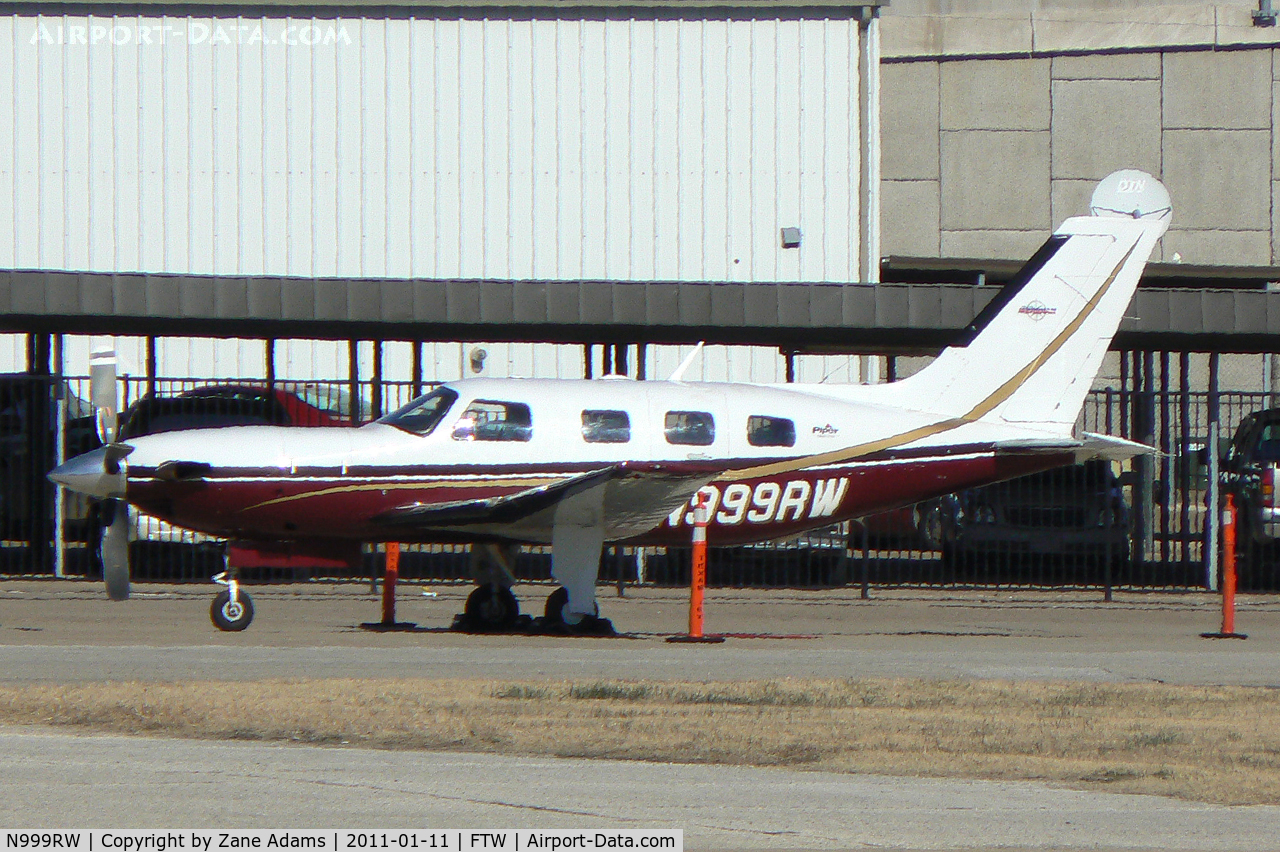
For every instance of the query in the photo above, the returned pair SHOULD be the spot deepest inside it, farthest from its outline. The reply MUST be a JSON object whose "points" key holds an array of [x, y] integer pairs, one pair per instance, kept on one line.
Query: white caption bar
{"points": [[329, 840]]}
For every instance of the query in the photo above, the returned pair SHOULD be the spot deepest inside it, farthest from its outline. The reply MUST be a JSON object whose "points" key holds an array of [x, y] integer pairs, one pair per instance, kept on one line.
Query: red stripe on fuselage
{"points": [[750, 510]]}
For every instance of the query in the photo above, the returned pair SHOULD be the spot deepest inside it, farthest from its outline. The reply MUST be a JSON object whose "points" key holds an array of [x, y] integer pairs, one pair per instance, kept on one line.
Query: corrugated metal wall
{"points": [[433, 147]]}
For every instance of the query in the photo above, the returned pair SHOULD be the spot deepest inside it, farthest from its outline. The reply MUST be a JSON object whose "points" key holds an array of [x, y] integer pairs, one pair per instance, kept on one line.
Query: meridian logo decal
{"points": [[1037, 311]]}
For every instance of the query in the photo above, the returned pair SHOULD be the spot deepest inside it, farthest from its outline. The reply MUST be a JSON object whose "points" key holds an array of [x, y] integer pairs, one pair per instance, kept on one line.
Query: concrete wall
{"points": [[985, 152]]}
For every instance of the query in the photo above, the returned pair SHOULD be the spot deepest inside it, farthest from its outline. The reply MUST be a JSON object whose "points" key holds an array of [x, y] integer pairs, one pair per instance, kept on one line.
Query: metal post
{"points": [[866, 564], [375, 388], [151, 366], [1166, 445], [1211, 513], [417, 368], [869, 144], [60, 456], [1184, 454], [1212, 492], [353, 376], [269, 356], [1124, 393]]}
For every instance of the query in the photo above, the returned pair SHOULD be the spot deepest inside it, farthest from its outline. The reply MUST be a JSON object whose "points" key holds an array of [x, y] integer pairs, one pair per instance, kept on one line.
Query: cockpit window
{"points": [[422, 414], [490, 420], [765, 431], [695, 428], [606, 427]]}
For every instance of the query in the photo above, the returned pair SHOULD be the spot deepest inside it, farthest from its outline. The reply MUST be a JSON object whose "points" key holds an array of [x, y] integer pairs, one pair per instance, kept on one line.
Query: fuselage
{"points": [[775, 460]]}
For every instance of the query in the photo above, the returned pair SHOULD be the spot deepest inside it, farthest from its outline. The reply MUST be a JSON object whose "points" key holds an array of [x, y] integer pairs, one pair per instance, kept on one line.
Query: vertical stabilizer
{"points": [[1031, 356]]}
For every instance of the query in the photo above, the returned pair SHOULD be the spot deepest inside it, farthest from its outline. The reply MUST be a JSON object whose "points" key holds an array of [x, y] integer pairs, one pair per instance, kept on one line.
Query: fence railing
{"points": [[1139, 524]]}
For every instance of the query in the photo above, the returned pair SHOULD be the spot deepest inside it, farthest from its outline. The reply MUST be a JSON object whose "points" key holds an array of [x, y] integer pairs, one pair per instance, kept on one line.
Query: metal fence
{"points": [[1139, 524]]}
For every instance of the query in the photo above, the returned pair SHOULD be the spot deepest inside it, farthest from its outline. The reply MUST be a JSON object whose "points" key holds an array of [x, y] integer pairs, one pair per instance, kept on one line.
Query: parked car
{"points": [[1251, 472], [1076, 512], [921, 526], [243, 404]]}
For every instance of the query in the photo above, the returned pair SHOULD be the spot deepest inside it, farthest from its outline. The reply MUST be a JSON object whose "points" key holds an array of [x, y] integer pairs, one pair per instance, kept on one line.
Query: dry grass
{"points": [[1214, 744]]}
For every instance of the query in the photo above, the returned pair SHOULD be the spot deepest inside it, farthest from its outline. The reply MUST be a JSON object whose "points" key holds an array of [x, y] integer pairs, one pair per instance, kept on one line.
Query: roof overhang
{"points": [[864, 318]]}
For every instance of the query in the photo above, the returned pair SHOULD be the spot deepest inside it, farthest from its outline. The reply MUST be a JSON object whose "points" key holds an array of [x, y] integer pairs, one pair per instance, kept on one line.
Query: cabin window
{"points": [[422, 414], [765, 431], [606, 427], [694, 428], [490, 420]]}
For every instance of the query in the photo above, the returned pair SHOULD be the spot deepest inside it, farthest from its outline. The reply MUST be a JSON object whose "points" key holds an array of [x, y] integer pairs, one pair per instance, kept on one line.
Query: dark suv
{"points": [[1069, 513]]}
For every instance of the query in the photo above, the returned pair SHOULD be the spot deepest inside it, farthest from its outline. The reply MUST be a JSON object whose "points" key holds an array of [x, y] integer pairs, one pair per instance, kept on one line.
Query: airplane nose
{"points": [[89, 474]]}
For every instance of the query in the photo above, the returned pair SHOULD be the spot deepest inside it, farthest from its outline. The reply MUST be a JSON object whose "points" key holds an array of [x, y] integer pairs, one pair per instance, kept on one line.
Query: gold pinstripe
{"points": [[983, 408], [402, 486]]}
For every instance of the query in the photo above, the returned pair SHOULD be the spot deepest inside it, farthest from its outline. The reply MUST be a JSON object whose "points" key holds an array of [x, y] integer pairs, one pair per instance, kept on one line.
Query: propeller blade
{"points": [[103, 392], [115, 549]]}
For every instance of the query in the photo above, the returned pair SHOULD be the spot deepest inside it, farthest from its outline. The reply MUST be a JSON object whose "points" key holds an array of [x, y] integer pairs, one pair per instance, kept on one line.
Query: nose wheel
{"points": [[232, 609]]}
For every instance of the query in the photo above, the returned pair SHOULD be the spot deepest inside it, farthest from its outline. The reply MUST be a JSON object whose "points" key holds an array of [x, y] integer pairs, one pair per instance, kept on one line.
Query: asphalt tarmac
{"points": [[68, 632]]}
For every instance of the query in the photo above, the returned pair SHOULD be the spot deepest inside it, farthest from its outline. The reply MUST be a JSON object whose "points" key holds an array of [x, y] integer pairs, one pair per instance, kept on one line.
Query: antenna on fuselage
{"points": [[678, 375]]}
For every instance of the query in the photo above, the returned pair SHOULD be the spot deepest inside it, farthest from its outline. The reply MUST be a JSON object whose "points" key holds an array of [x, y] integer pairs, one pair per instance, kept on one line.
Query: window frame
{"points": [[509, 431], [670, 431], [394, 417], [770, 428], [600, 429]]}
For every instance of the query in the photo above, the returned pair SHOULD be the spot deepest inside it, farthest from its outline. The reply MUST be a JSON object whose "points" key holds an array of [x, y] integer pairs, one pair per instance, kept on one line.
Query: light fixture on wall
{"points": [[790, 238], [476, 357], [1264, 15]]}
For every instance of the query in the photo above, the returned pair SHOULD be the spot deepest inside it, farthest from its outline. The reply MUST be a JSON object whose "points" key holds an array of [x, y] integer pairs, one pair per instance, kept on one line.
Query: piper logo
{"points": [[1037, 311]]}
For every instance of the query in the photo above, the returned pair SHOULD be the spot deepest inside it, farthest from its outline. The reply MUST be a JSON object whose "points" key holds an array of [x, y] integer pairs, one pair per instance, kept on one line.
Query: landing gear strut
{"points": [[232, 609]]}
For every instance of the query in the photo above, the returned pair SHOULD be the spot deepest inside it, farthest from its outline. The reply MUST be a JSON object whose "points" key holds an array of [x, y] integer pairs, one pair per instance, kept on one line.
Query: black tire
{"points": [[492, 609], [229, 616], [554, 611]]}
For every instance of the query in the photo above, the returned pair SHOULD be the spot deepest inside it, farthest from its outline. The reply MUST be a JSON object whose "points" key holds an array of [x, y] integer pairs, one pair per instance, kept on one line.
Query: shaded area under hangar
{"points": [[1210, 309]]}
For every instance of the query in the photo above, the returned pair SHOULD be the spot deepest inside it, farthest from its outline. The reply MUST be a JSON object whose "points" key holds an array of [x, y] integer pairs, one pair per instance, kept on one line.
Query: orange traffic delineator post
{"points": [[698, 576], [388, 621], [1228, 575]]}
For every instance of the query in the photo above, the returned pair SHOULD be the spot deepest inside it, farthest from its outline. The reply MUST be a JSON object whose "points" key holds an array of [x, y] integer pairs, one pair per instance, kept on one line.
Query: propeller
{"points": [[104, 395]]}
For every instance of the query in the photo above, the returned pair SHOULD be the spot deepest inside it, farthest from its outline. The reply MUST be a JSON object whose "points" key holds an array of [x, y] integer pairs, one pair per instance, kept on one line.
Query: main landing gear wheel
{"points": [[553, 617], [490, 608], [231, 615]]}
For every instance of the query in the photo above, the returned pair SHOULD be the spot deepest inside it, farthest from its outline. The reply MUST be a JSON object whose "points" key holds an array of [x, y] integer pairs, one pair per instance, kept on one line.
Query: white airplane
{"points": [[579, 464]]}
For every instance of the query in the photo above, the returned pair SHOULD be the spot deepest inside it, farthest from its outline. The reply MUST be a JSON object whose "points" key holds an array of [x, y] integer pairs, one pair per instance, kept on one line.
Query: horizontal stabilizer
{"points": [[1110, 448]]}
